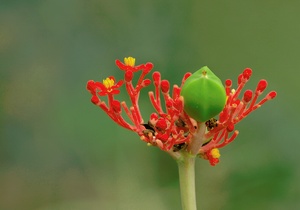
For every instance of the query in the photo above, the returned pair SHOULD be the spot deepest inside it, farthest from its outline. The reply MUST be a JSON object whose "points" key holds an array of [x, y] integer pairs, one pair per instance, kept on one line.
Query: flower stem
{"points": [[186, 166], [197, 139]]}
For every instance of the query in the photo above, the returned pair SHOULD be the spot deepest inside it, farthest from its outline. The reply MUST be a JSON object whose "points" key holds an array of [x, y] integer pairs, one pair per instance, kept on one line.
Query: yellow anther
{"points": [[130, 61], [108, 83], [215, 153]]}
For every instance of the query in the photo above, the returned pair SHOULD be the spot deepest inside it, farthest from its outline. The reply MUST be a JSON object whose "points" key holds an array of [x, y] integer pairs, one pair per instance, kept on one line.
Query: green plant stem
{"points": [[186, 165]]}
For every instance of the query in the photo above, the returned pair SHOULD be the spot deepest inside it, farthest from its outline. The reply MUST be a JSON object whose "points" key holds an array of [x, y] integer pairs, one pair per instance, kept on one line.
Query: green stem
{"points": [[186, 167]]}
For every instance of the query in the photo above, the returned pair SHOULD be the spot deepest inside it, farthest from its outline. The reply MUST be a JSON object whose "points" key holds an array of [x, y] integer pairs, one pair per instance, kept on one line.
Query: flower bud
{"points": [[204, 95]]}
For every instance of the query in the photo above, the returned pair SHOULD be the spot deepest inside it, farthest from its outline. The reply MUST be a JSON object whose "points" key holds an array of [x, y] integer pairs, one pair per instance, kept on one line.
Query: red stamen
{"points": [[214, 161], [91, 87], [116, 106], [247, 73], [272, 94], [161, 124], [230, 127], [156, 78], [187, 75], [146, 82], [262, 84], [236, 102], [155, 104], [169, 103], [224, 115], [148, 68], [233, 136], [165, 86], [247, 96], [127, 111], [176, 91], [240, 78], [228, 83], [162, 136], [179, 104], [227, 141]]}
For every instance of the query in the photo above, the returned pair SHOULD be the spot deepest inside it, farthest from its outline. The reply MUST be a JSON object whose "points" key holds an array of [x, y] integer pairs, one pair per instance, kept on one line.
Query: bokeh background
{"points": [[60, 152]]}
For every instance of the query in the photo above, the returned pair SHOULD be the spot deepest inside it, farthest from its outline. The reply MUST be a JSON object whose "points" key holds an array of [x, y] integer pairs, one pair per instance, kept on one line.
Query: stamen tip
{"points": [[262, 84], [272, 94]]}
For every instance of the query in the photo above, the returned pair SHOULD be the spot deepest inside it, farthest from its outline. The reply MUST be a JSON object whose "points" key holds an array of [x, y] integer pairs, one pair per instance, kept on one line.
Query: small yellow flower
{"points": [[108, 83], [130, 61], [215, 153]]}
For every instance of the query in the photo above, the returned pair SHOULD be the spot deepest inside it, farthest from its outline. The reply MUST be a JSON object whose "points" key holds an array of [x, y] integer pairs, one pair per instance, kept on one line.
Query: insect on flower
{"points": [[211, 123]]}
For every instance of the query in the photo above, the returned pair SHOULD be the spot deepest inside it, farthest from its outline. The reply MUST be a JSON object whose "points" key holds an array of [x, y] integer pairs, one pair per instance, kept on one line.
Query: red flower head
{"points": [[212, 156], [108, 86], [169, 127], [129, 65]]}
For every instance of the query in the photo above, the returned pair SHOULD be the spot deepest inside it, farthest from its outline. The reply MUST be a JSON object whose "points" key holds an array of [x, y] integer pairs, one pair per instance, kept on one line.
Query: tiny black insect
{"points": [[149, 129], [178, 147], [212, 123], [180, 123]]}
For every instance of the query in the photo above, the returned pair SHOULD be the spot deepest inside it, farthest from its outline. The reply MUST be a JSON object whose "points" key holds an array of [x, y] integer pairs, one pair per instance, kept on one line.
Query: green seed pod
{"points": [[204, 95]]}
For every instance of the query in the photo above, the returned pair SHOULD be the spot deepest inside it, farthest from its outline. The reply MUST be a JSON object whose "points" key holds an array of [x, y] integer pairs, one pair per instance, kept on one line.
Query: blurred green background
{"points": [[59, 151]]}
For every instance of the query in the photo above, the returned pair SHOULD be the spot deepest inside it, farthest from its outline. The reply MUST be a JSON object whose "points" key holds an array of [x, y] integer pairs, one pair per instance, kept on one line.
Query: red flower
{"points": [[107, 87], [170, 128], [129, 65], [212, 156]]}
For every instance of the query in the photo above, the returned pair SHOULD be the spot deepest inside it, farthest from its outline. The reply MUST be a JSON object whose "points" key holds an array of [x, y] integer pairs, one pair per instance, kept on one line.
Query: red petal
{"points": [[90, 86], [118, 84], [103, 93], [115, 91], [101, 87], [112, 78], [121, 65]]}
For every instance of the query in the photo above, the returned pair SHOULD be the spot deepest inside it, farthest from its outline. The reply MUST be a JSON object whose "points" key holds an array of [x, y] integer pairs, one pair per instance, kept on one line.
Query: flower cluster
{"points": [[169, 127]]}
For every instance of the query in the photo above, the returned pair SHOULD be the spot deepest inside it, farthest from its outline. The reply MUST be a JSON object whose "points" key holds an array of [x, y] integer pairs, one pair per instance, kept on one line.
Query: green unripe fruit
{"points": [[204, 95]]}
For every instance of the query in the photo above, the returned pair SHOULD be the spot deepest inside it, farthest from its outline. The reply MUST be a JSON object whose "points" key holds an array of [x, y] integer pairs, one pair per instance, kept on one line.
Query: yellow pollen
{"points": [[130, 61], [215, 153], [108, 83]]}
